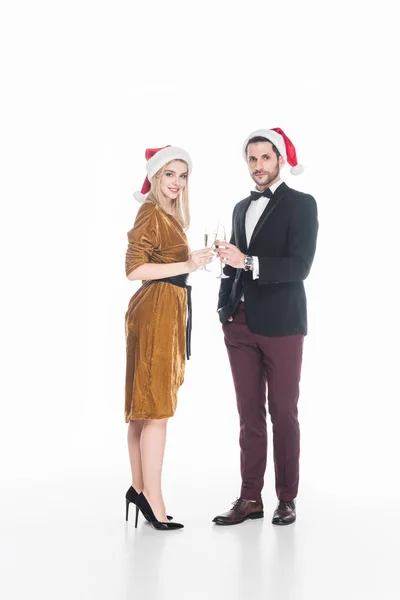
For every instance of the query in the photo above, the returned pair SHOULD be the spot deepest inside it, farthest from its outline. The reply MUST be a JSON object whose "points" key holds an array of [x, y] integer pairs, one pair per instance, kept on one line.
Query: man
{"points": [[262, 305]]}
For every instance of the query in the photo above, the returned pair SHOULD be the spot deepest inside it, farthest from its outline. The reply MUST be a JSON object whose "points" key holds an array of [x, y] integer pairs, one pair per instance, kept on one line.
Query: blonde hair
{"points": [[180, 205]]}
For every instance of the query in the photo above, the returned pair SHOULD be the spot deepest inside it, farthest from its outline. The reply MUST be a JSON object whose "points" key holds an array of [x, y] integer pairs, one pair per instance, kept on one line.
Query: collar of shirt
{"points": [[273, 188]]}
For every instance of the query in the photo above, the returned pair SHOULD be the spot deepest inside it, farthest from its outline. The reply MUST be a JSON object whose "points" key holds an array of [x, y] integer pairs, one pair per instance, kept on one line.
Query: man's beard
{"points": [[269, 177]]}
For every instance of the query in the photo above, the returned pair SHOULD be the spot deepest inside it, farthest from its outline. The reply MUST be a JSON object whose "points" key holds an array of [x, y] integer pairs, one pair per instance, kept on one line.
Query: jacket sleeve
{"points": [[142, 239], [302, 240], [230, 272]]}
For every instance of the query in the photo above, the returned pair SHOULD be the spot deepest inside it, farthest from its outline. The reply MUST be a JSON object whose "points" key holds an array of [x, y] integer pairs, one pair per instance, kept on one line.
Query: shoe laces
{"points": [[237, 503], [283, 504]]}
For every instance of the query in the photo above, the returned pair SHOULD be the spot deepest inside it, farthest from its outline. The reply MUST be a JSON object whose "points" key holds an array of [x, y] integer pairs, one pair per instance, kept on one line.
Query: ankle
{"points": [[155, 500], [154, 496]]}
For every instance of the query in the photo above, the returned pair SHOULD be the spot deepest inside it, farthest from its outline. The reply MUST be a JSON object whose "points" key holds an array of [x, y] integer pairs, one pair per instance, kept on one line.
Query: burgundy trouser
{"points": [[257, 360]]}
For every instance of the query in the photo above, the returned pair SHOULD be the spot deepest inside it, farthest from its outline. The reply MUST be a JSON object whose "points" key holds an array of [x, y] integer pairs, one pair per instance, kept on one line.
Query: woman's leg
{"points": [[134, 434], [153, 440]]}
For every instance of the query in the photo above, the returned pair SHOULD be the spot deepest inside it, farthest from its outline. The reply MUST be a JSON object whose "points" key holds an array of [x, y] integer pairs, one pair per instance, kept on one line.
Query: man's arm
{"points": [[302, 240], [226, 283]]}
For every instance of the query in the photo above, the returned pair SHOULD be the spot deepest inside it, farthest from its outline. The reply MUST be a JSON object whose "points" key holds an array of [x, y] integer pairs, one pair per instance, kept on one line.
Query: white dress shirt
{"points": [[253, 214]]}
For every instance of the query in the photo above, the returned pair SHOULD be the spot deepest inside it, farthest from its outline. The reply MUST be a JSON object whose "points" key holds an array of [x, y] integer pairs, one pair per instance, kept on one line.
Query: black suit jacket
{"points": [[284, 241]]}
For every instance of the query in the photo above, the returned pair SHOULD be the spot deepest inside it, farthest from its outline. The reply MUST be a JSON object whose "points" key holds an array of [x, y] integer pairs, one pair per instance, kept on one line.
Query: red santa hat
{"points": [[279, 138], [156, 159]]}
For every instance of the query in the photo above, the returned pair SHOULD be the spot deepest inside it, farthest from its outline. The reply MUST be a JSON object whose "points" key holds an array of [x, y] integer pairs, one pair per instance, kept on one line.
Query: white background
{"points": [[87, 86]]}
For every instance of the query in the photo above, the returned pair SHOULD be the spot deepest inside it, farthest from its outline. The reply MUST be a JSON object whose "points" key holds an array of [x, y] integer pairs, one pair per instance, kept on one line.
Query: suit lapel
{"points": [[241, 220], [269, 209]]}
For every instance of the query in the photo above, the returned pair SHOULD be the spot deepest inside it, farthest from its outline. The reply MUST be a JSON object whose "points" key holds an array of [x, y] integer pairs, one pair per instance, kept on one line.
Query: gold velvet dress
{"points": [[155, 322]]}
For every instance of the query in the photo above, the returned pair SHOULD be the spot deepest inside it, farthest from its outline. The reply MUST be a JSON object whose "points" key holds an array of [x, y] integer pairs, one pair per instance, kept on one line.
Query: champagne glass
{"points": [[221, 236], [210, 235]]}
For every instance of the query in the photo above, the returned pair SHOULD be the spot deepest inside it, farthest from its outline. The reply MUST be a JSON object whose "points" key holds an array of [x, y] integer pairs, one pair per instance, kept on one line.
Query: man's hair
{"points": [[259, 138]]}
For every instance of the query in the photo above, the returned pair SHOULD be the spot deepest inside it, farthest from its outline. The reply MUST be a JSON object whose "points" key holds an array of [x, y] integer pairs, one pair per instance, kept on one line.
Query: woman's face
{"points": [[174, 179]]}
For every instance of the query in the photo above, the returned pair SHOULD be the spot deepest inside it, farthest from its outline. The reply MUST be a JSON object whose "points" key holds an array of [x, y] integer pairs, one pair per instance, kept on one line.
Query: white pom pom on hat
{"points": [[139, 197], [156, 159], [279, 138], [297, 170]]}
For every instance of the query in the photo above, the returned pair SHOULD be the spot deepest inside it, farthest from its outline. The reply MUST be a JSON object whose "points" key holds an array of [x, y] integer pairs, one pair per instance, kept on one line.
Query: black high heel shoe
{"points": [[131, 496], [145, 508]]}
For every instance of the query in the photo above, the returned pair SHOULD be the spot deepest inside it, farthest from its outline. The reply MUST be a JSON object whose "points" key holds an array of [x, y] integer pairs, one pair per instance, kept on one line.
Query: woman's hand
{"points": [[199, 258]]}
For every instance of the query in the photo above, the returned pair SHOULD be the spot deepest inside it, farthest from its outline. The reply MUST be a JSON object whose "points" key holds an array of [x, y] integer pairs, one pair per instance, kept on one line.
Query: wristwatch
{"points": [[248, 263]]}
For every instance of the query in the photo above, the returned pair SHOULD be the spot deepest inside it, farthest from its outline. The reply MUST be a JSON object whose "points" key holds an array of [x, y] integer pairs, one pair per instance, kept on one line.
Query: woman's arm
{"points": [[147, 270], [143, 238]]}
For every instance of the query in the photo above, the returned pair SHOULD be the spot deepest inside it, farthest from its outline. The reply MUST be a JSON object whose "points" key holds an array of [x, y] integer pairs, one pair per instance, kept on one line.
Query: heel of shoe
{"points": [[127, 509], [137, 517], [257, 515]]}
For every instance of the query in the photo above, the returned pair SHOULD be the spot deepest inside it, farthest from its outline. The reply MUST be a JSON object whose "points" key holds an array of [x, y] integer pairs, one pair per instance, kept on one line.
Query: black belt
{"points": [[181, 281]]}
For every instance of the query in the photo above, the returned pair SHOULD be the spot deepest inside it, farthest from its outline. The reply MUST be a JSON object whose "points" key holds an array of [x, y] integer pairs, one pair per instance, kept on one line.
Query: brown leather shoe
{"points": [[285, 514], [241, 510]]}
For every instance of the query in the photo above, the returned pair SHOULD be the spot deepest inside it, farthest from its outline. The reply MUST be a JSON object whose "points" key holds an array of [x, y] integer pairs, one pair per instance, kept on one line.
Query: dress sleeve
{"points": [[143, 238]]}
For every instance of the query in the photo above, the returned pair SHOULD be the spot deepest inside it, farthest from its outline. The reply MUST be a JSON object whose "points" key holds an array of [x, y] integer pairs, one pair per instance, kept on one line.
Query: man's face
{"points": [[264, 165]]}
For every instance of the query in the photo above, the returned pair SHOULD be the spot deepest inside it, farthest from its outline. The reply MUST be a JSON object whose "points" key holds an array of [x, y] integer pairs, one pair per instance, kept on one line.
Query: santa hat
{"points": [[156, 159], [277, 137]]}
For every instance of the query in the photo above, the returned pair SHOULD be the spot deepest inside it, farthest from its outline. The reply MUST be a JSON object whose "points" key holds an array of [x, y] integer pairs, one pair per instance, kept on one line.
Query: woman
{"points": [[156, 334]]}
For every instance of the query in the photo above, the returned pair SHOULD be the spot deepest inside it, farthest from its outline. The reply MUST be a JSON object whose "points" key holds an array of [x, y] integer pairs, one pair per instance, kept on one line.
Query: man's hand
{"points": [[230, 318], [230, 255]]}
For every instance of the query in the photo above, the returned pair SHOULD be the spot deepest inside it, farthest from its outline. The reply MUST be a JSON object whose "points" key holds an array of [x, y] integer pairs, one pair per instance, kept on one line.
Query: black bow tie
{"points": [[257, 195]]}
